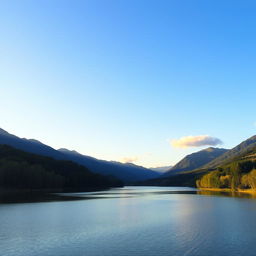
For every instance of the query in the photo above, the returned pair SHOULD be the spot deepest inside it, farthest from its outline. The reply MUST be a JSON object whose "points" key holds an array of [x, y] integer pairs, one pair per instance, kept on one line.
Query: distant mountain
{"points": [[228, 156], [232, 169], [161, 169], [21, 170], [195, 160], [125, 172]]}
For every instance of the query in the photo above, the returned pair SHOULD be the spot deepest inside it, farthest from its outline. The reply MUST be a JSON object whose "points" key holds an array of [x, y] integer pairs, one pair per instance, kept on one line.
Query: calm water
{"points": [[131, 221]]}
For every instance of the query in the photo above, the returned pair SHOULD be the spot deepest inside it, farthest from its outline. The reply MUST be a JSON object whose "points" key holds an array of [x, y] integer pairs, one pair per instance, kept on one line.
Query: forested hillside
{"points": [[234, 169], [125, 172], [238, 174], [22, 170]]}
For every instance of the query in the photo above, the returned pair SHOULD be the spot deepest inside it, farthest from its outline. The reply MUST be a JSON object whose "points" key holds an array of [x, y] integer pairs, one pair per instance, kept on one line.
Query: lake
{"points": [[141, 221]]}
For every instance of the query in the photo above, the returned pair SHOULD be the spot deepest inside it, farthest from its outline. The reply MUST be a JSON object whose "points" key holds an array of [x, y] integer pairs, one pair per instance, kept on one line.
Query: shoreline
{"points": [[229, 190]]}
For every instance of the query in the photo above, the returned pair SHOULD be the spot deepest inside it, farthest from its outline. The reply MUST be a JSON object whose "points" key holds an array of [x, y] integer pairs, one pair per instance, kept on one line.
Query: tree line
{"points": [[237, 175], [22, 170]]}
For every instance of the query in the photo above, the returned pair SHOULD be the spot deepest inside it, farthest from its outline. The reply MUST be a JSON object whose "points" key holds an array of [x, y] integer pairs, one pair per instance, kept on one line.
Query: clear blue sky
{"points": [[120, 79]]}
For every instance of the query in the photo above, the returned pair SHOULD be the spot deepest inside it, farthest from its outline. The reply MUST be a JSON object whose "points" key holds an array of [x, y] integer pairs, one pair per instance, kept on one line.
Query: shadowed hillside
{"points": [[125, 172], [22, 170]]}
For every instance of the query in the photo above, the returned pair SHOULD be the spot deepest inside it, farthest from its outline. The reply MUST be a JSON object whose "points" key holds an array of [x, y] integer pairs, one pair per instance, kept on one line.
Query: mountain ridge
{"points": [[125, 172], [195, 160], [238, 159], [22, 170], [135, 172], [232, 153]]}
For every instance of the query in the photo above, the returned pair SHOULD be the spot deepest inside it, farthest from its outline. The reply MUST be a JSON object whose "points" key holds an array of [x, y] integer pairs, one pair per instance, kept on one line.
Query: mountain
{"points": [[22, 170], [237, 151], [234, 172], [32, 146], [125, 172], [161, 169], [196, 160], [233, 169]]}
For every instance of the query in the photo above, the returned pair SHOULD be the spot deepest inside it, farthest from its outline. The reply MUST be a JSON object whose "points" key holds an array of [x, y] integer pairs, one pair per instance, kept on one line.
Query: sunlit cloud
{"points": [[131, 159], [138, 159], [195, 141]]}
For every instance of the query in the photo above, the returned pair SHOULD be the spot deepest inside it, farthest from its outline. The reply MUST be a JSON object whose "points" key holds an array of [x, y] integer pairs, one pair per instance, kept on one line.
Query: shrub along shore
{"points": [[238, 176]]}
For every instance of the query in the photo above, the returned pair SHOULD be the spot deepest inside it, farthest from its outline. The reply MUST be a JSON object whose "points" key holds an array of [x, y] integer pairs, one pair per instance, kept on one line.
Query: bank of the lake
{"points": [[228, 190]]}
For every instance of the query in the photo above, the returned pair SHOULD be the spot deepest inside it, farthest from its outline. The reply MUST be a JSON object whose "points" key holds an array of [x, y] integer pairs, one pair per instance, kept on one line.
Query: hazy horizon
{"points": [[146, 82]]}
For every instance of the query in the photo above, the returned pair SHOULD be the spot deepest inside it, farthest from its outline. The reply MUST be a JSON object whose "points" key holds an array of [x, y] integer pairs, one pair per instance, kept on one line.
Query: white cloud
{"points": [[195, 141]]}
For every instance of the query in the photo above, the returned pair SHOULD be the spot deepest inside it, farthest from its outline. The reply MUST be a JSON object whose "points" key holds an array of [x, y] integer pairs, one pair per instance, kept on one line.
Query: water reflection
{"points": [[131, 221], [126, 192], [227, 194], [32, 197]]}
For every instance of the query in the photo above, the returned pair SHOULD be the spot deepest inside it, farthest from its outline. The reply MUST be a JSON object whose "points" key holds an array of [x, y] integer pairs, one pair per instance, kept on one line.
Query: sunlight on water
{"points": [[130, 221]]}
